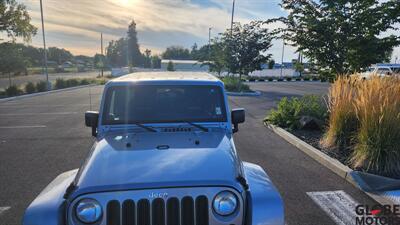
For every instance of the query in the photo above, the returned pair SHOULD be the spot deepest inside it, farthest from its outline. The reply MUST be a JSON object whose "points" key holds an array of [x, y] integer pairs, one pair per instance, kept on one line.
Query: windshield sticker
{"points": [[218, 110]]}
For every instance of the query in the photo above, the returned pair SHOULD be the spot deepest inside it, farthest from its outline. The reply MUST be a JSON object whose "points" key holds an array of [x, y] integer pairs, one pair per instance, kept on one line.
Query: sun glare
{"points": [[127, 2]]}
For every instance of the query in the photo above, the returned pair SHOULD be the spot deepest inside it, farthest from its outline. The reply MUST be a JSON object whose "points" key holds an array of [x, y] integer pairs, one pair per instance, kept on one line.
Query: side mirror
{"points": [[237, 116], [91, 120]]}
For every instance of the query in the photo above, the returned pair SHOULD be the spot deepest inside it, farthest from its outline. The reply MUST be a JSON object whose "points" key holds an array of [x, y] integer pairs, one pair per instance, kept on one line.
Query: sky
{"points": [[76, 24]]}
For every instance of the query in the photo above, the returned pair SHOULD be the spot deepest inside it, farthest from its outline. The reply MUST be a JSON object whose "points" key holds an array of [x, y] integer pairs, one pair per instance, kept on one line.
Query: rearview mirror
{"points": [[237, 116], [91, 120]]}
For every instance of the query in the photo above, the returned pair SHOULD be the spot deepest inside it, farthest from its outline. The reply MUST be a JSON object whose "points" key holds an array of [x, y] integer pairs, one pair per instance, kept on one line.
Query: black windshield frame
{"points": [[107, 102]]}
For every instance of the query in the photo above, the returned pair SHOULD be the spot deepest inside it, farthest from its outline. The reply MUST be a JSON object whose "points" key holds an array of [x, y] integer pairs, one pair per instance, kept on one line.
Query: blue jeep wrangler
{"points": [[164, 155]]}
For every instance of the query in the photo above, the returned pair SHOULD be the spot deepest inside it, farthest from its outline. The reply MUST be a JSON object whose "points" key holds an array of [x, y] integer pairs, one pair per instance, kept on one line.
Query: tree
{"points": [[147, 59], [271, 64], [299, 67], [15, 20], [155, 62], [341, 36], [117, 53], [99, 61], [202, 53], [194, 51], [59, 55], [176, 52], [170, 66], [135, 57], [245, 47], [11, 59], [215, 58]]}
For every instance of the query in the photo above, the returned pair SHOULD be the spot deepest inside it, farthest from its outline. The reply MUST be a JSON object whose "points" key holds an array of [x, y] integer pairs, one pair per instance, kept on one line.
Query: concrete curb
{"points": [[333, 164], [273, 81], [44, 93], [256, 93]]}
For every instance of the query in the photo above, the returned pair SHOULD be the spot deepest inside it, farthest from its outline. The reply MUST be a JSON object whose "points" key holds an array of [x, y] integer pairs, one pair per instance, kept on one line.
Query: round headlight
{"points": [[225, 203], [88, 210]]}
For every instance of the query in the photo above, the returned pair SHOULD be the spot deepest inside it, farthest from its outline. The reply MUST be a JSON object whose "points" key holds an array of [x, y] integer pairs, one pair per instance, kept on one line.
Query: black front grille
{"points": [[187, 211]]}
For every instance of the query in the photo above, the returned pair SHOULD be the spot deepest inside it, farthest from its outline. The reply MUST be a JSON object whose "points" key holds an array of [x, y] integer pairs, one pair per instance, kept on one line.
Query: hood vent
{"points": [[176, 129]]}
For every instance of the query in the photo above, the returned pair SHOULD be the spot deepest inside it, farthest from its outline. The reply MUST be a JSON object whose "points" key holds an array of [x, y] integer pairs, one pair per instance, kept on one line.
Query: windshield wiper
{"points": [[145, 127], [197, 125]]}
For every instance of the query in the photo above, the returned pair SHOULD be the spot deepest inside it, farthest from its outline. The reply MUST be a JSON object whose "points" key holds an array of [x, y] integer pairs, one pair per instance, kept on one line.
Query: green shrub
{"points": [[288, 78], [100, 81], [306, 78], [261, 79], [315, 78], [60, 83], [298, 79], [234, 84], [30, 88], [280, 79], [41, 86], [170, 66], [289, 111], [59, 70], [85, 81], [270, 79], [72, 82], [13, 90], [327, 75], [252, 79]]}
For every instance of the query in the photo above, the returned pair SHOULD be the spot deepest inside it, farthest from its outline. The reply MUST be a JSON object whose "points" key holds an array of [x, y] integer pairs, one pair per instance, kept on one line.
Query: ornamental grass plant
{"points": [[342, 122], [377, 109], [364, 123]]}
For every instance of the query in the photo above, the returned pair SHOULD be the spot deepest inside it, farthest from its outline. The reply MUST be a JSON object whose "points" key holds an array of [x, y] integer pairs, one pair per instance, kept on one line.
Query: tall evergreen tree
{"points": [[135, 57]]}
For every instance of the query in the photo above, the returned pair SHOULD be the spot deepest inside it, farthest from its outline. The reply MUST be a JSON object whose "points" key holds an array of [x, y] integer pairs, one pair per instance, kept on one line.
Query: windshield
{"points": [[163, 104]]}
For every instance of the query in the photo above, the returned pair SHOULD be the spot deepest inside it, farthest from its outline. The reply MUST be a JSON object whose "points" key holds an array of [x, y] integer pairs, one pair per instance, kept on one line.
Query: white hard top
{"points": [[166, 76]]}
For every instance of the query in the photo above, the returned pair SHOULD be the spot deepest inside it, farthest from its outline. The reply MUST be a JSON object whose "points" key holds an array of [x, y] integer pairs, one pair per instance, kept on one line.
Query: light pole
{"points": [[44, 49], [209, 43], [283, 53], [102, 56], [233, 13]]}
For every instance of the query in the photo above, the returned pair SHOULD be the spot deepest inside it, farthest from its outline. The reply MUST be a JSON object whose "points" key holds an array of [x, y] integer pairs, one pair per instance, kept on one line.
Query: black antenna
{"points": [[90, 99]]}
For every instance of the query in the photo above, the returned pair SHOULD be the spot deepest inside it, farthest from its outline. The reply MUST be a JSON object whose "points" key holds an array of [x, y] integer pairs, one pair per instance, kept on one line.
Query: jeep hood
{"points": [[155, 160]]}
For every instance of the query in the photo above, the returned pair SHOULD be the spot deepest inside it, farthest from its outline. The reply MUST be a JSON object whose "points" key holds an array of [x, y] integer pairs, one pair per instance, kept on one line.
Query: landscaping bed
{"points": [[314, 137], [285, 78], [235, 84], [357, 123], [41, 86]]}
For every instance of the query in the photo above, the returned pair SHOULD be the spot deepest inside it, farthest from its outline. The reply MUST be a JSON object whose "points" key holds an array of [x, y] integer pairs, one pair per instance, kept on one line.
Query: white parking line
{"points": [[35, 114], [337, 204], [19, 127], [3, 209]]}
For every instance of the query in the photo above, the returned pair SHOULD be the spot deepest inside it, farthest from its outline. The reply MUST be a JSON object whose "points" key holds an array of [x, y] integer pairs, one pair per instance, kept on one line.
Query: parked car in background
{"points": [[164, 154], [382, 70]]}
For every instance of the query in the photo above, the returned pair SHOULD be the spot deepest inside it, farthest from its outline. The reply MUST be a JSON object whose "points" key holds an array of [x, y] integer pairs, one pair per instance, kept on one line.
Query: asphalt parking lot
{"points": [[43, 136]]}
